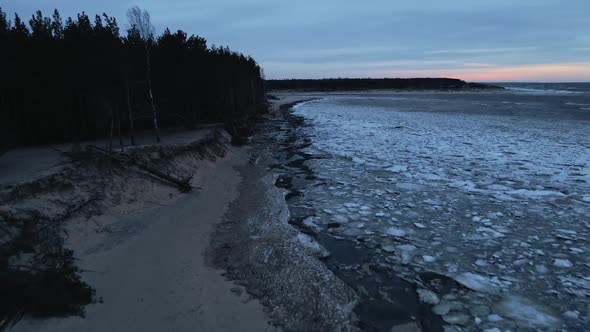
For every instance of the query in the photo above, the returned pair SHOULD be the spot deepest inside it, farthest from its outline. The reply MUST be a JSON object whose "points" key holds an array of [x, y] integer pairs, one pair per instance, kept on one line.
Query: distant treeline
{"points": [[375, 84], [81, 79]]}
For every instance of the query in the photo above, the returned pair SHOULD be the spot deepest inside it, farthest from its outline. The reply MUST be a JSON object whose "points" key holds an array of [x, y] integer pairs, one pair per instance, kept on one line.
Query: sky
{"points": [[485, 40]]}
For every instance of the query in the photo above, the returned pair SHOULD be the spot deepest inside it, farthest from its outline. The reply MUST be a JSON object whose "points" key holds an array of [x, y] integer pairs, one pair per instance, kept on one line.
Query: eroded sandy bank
{"points": [[143, 252]]}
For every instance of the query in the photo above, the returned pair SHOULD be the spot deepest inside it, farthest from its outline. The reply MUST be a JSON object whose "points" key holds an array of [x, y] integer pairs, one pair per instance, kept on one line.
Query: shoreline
{"points": [[275, 261], [160, 261], [406, 312]]}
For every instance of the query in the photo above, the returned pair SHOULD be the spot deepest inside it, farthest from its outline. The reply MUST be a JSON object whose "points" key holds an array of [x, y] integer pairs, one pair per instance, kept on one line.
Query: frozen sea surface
{"points": [[490, 190]]}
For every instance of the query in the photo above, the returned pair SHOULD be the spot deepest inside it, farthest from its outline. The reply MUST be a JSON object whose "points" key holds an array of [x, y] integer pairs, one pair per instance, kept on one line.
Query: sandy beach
{"points": [[215, 259], [149, 270]]}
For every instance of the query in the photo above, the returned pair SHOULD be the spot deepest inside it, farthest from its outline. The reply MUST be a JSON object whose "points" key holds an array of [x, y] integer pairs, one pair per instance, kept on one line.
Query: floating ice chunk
{"points": [[352, 232], [340, 218], [494, 318], [564, 263], [481, 262], [498, 187], [419, 225], [565, 234], [406, 257], [365, 213], [431, 177], [541, 269], [442, 308], [380, 214], [503, 197], [397, 169], [476, 219], [583, 282], [567, 231], [410, 186], [526, 193], [477, 282], [490, 232], [388, 248], [456, 319], [428, 259], [365, 208], [407, 247], [428, 297], [395, 232], [311, 244], [466, 185], [308, 222], [572, 314], [526, 313], [354, 217], [493, 329]]}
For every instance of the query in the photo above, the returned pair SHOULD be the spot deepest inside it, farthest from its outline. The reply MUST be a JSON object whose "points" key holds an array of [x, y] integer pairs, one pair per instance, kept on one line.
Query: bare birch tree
{"points": [[140, 20], [130, 110]]}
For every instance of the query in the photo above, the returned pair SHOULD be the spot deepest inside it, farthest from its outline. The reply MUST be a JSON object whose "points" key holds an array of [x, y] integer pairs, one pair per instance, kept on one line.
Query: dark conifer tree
{"points": [[81, 79]]}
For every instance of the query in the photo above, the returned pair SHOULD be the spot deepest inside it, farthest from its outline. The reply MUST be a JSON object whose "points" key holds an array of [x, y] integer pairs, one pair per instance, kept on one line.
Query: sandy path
{"points": [[151, 272]]}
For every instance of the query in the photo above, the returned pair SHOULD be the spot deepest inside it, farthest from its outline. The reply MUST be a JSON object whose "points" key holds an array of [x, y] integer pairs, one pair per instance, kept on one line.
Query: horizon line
{"points": [[427, 77]]}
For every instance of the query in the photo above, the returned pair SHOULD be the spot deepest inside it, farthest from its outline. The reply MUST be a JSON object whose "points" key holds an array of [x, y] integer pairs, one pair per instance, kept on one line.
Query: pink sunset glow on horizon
{"points": [[568, 72]]}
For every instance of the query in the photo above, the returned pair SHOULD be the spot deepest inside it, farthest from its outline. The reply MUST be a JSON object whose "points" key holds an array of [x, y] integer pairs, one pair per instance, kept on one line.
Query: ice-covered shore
{"points": [[495, 200]]}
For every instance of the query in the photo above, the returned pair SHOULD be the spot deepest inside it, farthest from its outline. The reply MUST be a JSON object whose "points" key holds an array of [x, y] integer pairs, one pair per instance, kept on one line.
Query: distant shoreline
{"points": [[363, 84]]}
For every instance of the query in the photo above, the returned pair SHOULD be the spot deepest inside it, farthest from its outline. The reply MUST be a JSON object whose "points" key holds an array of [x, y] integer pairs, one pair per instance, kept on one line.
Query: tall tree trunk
{"points": [[81, 123], [253, 91], [149, 84], [110, 143], [236, 99], [131, 128], [5, 118], [118, 113]]}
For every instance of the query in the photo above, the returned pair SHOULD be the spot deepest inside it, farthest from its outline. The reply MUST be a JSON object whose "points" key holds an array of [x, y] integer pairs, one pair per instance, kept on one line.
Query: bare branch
{"points": [[140, 20]]}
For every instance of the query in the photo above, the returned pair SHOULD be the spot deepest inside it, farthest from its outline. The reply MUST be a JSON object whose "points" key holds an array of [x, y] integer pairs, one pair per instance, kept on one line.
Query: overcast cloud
{"points": [[476, 40]]}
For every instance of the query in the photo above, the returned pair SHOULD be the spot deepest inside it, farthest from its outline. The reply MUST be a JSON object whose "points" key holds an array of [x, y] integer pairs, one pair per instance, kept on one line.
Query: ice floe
{"points": [[498, 202], [527, 313], [395, 232], [477, 282]]}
